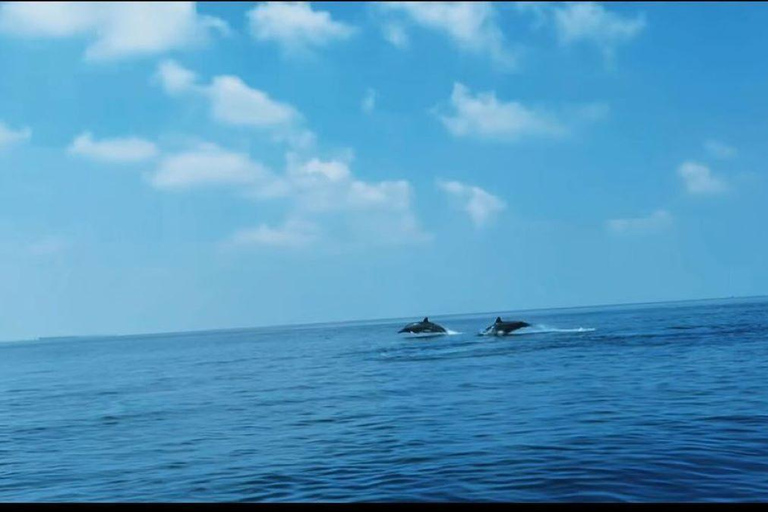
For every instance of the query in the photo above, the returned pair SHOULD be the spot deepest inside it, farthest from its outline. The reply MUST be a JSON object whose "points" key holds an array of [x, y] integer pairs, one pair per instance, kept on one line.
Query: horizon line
{"points": [[273, 326]]}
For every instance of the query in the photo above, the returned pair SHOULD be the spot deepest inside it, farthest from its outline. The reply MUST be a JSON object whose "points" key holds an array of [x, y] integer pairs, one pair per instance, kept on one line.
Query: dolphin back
{"points": [[503, 328], [420, 327], [437, 328]]}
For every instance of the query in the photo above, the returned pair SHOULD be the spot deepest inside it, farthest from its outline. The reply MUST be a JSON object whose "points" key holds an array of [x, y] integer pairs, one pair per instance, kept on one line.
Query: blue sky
{"points": [[196, 166]]}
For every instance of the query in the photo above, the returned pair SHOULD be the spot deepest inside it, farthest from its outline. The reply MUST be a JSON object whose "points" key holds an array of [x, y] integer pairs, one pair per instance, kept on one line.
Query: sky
{"points": [[184, 166]]}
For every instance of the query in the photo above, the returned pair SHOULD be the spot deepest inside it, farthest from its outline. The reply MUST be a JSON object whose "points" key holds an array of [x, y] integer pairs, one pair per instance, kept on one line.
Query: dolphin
{"points": [[502, 328], [422, 327]]}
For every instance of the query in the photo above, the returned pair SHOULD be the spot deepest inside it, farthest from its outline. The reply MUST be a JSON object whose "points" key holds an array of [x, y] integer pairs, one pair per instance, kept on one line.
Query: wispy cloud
{"points": [[471, 26], [325, 192], [175, 79], [321, 197], [291, 234], [657, 221], [586, 23], [10, 137], [480, 205], [396, 35], [318, 190], [699, 179], [369, 101], [313, 185], [720, 149], [233, 102], [123, 150], [295, 26], [209, 165], [114, 30], [328, 185], [483, 116], [593, 23]]}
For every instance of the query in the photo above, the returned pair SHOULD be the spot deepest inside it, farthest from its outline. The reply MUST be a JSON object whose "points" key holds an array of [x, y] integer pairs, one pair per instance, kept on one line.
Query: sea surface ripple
{"points": [[665, 402]]}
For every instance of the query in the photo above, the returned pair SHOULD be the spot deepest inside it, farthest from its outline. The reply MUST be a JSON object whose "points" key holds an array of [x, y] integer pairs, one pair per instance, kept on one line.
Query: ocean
{"points": [[654, 402]]}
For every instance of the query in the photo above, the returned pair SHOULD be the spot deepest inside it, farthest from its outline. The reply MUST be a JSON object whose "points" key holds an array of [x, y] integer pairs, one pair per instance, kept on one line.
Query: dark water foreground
{"points": [[661, 402]]}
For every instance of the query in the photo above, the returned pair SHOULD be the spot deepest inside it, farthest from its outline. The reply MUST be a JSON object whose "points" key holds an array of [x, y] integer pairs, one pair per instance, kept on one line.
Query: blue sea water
{"points": [[636, 403]]}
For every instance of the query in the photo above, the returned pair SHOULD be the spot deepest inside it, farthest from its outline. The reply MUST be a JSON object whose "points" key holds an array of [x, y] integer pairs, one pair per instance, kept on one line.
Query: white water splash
{"points": [[448, 332], [542, 328], [537, 329]]}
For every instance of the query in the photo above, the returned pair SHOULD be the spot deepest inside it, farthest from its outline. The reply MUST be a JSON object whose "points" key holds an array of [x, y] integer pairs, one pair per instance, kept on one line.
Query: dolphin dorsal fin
{"points": [[498, 319], [425, 320]]}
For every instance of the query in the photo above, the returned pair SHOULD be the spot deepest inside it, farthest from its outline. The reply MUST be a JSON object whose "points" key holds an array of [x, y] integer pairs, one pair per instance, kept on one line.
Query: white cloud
{"points": [[655, 222], [314, 191], [114, 30], [391, 195], [126, 150], [314, 172], [485, 117], [720, 150], [325, 186], [295, 26], [396, 35], [199, 165], [209, 165], [174, 78], [592, 23], [292, 234], [699, 180], [352, 211], [369, 101], [10, 137], [585, 22], [234, 103], [471, 26], [481, 206], [315, 188]]}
